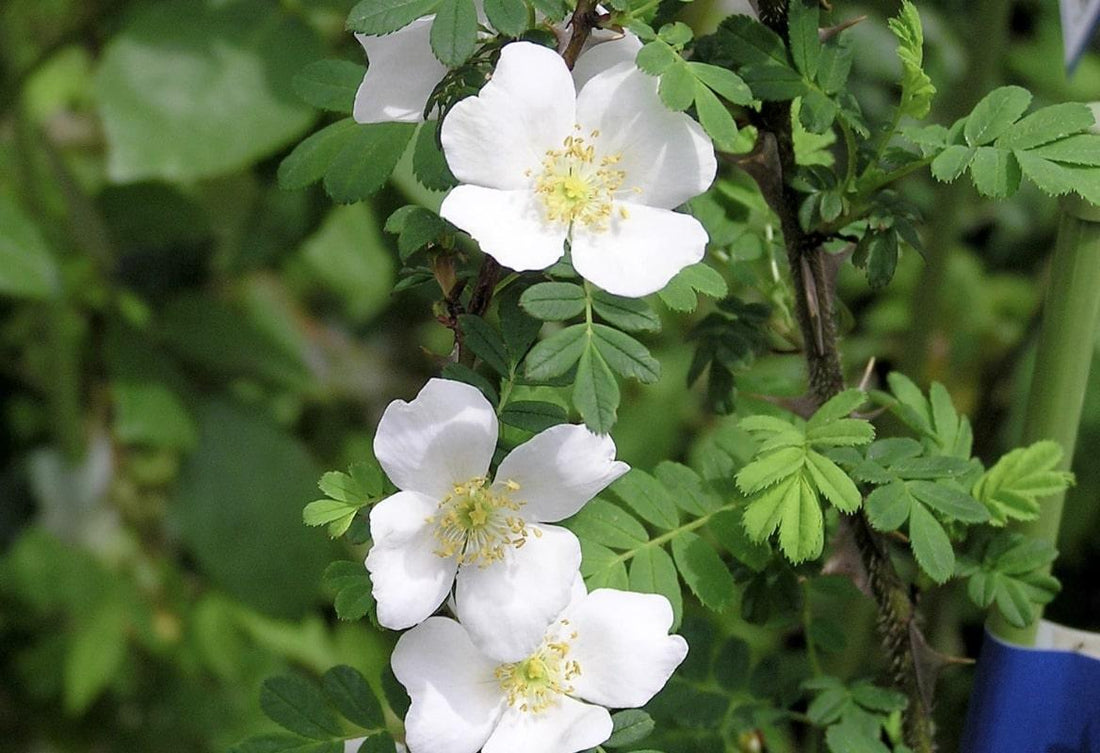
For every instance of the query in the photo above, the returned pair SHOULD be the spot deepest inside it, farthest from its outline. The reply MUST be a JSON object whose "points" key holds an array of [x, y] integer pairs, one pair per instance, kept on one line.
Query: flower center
{"points": [[575, 186], [536, 683], [477, 525]]}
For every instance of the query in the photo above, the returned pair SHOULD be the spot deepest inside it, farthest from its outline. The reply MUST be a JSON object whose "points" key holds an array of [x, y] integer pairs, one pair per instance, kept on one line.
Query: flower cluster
{"points": [[547, 158], [533, 660]]}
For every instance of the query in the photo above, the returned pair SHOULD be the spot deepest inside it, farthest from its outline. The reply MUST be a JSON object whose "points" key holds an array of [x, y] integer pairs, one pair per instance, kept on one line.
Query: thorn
{"points": [[831, 31], [867, 373]]}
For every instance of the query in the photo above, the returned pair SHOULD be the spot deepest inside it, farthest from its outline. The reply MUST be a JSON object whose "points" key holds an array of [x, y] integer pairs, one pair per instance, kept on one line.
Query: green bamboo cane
{"points": [[1067, 340]]}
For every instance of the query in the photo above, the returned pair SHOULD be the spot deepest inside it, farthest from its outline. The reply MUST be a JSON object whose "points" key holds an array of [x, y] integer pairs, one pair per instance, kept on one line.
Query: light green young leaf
{"points": [[916, 88], [791, 506], [1012, 488], [833, 483], [1012, 574]]}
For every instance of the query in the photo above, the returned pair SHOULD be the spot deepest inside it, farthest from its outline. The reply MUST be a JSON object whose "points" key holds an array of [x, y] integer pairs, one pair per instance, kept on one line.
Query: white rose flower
{"points": [[402, 70], [607, 649], [451, 524], [604, 168]]}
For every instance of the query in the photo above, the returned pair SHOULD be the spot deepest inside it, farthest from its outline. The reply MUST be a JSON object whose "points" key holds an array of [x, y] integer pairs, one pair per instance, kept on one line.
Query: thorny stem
{"points": [[585, 19], [770, 162]]}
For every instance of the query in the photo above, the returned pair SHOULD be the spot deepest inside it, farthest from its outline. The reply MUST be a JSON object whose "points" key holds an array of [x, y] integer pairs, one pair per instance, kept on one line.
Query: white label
{"points": [[1079, 19]]}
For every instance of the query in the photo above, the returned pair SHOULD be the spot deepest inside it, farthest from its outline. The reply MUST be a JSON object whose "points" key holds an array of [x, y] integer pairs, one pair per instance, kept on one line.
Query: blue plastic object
{"points": [[1028, 700]]}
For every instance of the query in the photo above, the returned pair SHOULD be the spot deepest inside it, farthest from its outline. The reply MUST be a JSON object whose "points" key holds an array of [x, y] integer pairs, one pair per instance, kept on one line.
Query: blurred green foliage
{"points": [[185, 346]]}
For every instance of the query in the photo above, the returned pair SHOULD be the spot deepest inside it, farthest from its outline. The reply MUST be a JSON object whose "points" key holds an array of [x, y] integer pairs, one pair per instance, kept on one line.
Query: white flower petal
{"points": [[401, 74], [601, 54], [527, 108], [508, 225], [560, 469], [447, 435], [507, 606], [569, 727], [456, 699], [666, 156], [623, 647], [638, 255], [409, 580]]}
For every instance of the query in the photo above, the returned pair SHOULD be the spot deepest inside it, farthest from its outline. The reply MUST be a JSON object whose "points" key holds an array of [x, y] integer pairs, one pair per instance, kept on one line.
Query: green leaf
{"points": [[601, 567], [630, 314], [817, 114], [888, 506], [715, 118], [805, 43], [192, 89], [625, 355], [556, 354], [768, 468], [680, 293], [995, 114], [350, 694], [931, 546], [652, 571], [595, 391], [518, 329], [703, 571], [429, 165], [833, 483], [454, 31], [877, 253], [687, 488], [949, 501], [533, 415], [329, 84], [834, 66], [507, 16], [723, 81], [748, 42], [297, 705], [952, 162], [485, 342], [606, 523], [773, 82], [385, 16], [996, 172], [151, 413], [378, 743], [656, 57], [647, 497], [628, 727], [282, 743], [27, 268], [325, 511], [847, 737], [312, 158], [1082, 149], [1050, 124], [916, 88], [792, 507], [553, 301], [220, 494], [1013, 574], [95, 654], [677, 87], [366, 161], [1012, 488], [351, 585]]}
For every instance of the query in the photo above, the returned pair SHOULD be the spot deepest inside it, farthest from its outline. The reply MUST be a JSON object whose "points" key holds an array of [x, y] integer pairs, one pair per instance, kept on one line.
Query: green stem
{"points": [[807, 624], [1065, 350], [664, 538]]}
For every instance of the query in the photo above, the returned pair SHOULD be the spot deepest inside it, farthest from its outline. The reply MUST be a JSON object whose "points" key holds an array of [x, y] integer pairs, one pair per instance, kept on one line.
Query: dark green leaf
{"points": [[703, 571], [350, 694], [625, 355], [312, 158], [282, 743], [652, 571], [352, 587], [773, 82], [629, 727], [532, 415], [329, 84], [485, 342], [647, 497], [507, 16], [630, 314], [556, 354], [605, 523], [429, 165], [368, 157], [454, 31], [297, 705], [995, 114], [805, 44], [385, 16], [595, 391], [553, 301]]}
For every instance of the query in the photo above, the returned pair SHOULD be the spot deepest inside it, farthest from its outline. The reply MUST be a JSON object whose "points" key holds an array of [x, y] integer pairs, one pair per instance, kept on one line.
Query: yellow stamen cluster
{"points": [[576, 186], [477, 525], [535, 683]]}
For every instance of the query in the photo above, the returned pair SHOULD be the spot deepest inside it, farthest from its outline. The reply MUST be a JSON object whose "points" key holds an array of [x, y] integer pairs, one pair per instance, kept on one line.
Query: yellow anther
{"points": [[477, 525]]}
